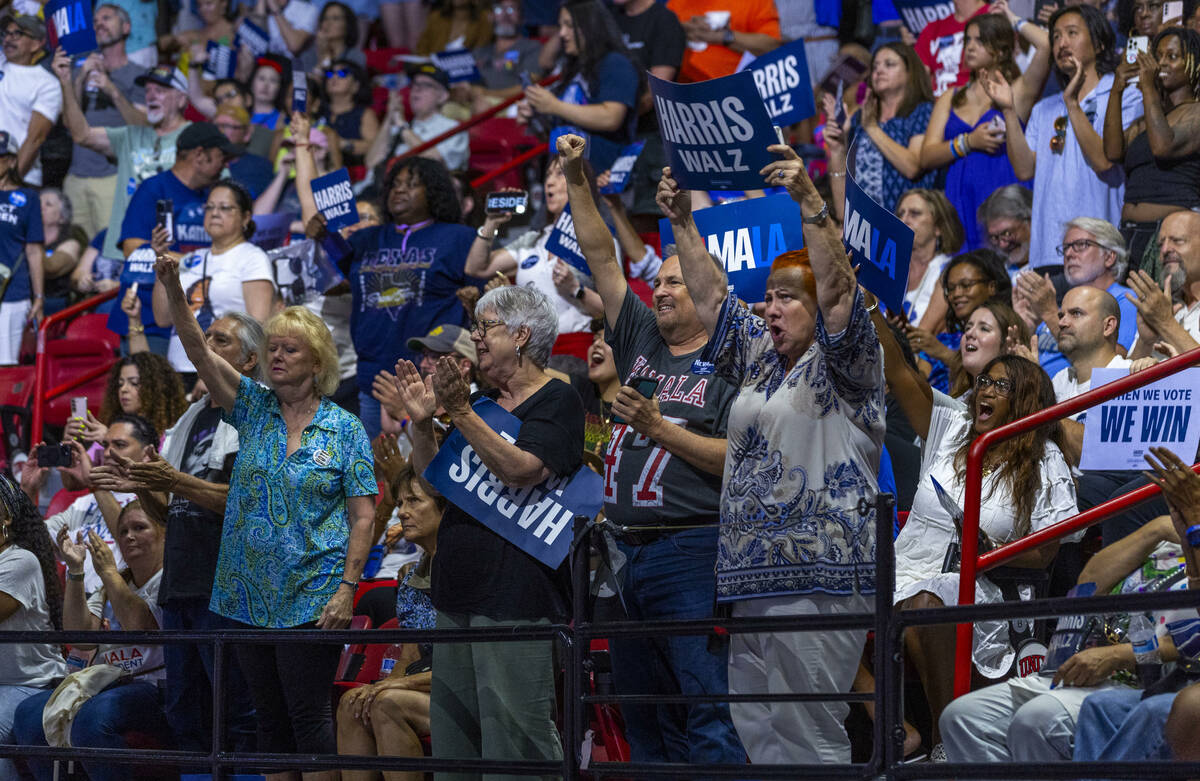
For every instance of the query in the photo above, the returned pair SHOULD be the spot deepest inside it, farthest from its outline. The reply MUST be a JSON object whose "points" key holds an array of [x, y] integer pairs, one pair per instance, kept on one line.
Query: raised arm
{"points": [[130, 609], [1022, 158], [908, 386], [75, 615], [1089, 140], [1116, 137], [594, 238], [1167, 141], [705, 282], [94, 138], [1032, 81]]}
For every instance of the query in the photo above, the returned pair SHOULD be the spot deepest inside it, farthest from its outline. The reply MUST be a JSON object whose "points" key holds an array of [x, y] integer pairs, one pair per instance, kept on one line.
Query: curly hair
{"points": [[1017, 461], [27, 530], [440, 197], [988, 263], [159, 388], [1189, 43]]}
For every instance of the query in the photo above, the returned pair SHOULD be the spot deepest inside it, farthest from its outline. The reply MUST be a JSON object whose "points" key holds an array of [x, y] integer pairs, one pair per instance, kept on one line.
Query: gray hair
{"points": [[250, 335], [64, 203], [524, 306], [1012, 202], [121, 13], [1107, 236]]}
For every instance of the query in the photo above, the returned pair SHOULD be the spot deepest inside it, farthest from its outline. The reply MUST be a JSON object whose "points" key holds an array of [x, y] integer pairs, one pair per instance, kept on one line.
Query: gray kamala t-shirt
{"points": [[644, 484]]}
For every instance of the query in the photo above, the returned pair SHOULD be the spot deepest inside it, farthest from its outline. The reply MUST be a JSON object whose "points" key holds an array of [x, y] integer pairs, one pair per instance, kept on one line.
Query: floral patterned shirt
{"points": [[283, 544], [804, 448]]}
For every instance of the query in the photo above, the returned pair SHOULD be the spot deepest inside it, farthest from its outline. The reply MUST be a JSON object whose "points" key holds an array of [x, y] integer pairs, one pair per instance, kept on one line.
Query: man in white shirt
{"points": [[1088, 324], [1179, 242], [30, 99]]}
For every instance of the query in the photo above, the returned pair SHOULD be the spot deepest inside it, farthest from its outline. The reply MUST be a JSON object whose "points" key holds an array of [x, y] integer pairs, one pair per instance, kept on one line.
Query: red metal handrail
{"points": [[472, 121], [972, 563], [516, 162], [40, 397]]}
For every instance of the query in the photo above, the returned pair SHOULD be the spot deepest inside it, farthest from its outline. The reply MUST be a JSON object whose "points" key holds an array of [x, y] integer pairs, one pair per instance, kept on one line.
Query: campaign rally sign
{"points": [[781, 77], [563, 243], [139, 268], [69, 25], [537, 519], [459, 65], [1165, 414], [221, 62], [299, 88], [622, 167], [880, 244], [716, 132], [254, 37], [271, 230], [335, 199], [747, 236], [918, 13], [303, 272]]}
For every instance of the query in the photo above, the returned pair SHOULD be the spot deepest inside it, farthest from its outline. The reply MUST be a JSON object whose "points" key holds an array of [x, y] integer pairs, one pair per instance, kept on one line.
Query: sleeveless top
{"points": [[1151, 180], [971, 179]]}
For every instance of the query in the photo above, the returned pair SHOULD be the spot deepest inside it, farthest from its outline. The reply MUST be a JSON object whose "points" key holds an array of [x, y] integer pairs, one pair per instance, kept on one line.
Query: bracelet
{"points": [[1017, 25], [350, 583], [479, 232], [137, 329], [74, 575], [873, 307], [834, 174]]}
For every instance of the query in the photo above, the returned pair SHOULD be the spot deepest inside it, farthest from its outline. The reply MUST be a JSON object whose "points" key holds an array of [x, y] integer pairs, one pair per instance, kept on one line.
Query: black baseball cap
{"points": [[205, 135], [433, 72]]}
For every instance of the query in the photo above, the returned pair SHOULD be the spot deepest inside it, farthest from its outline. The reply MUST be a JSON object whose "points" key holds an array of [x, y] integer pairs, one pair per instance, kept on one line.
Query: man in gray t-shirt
{"points": [[90, 181]]}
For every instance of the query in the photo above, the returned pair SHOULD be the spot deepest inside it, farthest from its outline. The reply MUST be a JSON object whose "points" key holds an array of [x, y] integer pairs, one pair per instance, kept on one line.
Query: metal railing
{"points": [[972, 562]]}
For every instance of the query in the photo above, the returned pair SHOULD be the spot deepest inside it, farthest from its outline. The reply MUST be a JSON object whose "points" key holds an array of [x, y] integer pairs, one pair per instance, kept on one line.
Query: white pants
{"points": [[801, 662], [12, 326], [1019, 720]]}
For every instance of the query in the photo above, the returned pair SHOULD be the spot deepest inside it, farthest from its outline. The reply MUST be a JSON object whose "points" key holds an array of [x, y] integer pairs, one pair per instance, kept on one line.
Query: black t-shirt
{"points": [[654, 37], [478, 572], [193, 532], [644, 484]]}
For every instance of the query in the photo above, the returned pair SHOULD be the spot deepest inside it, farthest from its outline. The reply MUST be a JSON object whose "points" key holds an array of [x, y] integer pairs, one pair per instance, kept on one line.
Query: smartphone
{"points": [[299, 89], [507, 201], [645, 386], [54, 455], [845, 70], [1135, 46], [839, 116], [79, 407], [997, 124], [164, 217], [1173, 9]]}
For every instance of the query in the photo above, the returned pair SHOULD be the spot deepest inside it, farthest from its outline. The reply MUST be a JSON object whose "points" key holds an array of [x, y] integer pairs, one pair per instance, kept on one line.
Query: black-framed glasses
{"points": [[1059, 141], [482, 327], [961, 287], [1005, 236], [1079, 246], [1003, 385], [14, 32], [341, 73]]}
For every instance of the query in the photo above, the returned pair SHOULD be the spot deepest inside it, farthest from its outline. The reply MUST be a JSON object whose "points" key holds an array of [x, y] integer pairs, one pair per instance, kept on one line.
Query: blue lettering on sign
{"points": [[1116, 423]]}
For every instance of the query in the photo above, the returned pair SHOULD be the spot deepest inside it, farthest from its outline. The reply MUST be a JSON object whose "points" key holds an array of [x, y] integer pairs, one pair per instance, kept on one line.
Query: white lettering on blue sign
{"points": [[862, 238], [742, 249]]}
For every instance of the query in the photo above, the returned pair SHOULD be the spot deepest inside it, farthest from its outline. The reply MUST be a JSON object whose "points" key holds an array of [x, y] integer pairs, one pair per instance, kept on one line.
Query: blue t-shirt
{"points": [[1127, 332], [616, 81], [403, 290], [254, 172], [20, 224], [188, 206]]}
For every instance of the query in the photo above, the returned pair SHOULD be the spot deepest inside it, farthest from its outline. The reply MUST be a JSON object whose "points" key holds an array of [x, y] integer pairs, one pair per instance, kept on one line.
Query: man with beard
{"points": [[105, 86], [1179, 241], [141, 151], [29, 103]]}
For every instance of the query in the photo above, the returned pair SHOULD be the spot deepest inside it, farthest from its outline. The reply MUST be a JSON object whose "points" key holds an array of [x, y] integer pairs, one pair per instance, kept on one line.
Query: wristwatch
{"points": [[728, 37], [817, 218], [579, 293]]}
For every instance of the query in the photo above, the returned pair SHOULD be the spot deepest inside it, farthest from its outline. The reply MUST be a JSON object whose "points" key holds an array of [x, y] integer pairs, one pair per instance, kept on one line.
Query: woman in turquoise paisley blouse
{"points": [[299, 517]]}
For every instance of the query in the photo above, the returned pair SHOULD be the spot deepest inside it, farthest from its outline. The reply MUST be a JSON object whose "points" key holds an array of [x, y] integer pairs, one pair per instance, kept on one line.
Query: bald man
{"points": [[1179, 246]]}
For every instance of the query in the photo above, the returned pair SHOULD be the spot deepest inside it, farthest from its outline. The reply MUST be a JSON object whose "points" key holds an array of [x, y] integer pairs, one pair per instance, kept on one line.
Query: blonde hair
{"points": [[299, 322]]}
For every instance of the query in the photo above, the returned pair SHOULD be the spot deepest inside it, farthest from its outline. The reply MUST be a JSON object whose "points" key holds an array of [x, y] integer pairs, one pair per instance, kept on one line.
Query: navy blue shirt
{"points": [[254, 172], [188, 204], [616, 81], [403, 290], [20, 224]]}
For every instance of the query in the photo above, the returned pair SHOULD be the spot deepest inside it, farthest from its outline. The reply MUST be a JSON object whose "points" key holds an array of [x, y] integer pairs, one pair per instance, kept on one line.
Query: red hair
{"points": [[797, 259]]}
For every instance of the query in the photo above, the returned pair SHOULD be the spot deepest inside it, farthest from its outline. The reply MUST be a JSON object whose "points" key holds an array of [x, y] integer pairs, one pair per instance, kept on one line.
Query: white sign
{"points": [[1119, 433]]}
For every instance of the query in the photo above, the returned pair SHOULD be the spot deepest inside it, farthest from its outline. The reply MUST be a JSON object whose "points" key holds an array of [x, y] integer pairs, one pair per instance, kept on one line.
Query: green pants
{"points": [[492, 700]]}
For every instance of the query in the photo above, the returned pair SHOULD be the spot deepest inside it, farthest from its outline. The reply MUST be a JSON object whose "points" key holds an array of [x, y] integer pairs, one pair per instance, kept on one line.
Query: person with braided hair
{"points": [[30, 600]]}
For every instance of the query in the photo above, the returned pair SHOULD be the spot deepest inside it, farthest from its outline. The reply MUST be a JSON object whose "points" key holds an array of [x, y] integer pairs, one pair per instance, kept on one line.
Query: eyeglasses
{"points": [[223, 208], [1003, 385], [1060, 135], [341, 73], [1078, 246], [961, 287], [13, 32], [510, 10], [1147, 7], [1003, 237], [482, 327]]}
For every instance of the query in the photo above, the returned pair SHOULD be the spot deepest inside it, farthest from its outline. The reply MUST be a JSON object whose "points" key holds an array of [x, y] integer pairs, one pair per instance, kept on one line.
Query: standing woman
{"points": [[267, 90], [1161, 151], [805, 438], [496, 700], [232, 275], [299, 517], [348, 110], [22, 254], [890, 128], [937, 234], [966, 130]]}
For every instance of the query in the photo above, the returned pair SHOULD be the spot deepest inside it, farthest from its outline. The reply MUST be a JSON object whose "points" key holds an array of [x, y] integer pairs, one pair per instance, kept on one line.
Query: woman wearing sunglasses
{"points": [[1027, 486], [1161, 150], [348, 110]]}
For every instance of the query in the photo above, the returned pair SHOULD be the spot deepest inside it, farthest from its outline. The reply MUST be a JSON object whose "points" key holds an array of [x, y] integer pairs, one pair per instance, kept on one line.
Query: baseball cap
{"points": [[446, 339], [29, 24], [205, 135], [164, 76], [8, 144], [433, 72]]}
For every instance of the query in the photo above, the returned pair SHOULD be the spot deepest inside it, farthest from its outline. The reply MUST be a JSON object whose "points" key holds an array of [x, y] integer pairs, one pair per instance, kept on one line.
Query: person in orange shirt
{"points": [[720, 32]]}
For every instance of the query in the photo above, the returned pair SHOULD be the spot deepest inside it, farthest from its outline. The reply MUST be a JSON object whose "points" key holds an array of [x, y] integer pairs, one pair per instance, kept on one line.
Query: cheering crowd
{"points": [[273, 439]]}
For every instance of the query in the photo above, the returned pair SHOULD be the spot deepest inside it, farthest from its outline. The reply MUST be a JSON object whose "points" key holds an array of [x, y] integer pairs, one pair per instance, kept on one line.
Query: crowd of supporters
{"points": [[265, 443]]}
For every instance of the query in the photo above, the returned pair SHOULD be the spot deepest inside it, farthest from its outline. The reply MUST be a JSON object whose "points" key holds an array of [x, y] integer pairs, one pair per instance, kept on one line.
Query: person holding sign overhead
{"points": [[496, 700], [808, 416]]}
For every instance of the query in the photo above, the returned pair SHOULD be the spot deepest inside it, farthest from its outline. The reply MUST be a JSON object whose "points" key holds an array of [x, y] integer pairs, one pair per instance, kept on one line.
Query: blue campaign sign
{"points": [[335, 199], [618, 177], [459, 65], [271, 230], [299, 88], [221, 62], [782, 80], [716, 132], [563, 243], [139, 268], [254, 37], [69, 25], [880, 244], [918, 13], [537, 519], [747, 236]]}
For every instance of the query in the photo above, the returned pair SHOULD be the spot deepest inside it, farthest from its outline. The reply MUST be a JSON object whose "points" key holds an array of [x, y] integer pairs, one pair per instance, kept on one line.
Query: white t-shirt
{"points": [[144, 661], [84, 514], [300, 14], [454, 150], [223, 276], [27, 664], [25, 89], [535, 268], [1066, 386], [918, 298], [1188, 317]]}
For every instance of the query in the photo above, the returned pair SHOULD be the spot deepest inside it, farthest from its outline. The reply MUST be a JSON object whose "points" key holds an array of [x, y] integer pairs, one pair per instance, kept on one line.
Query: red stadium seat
{"points": [[93, 325]]}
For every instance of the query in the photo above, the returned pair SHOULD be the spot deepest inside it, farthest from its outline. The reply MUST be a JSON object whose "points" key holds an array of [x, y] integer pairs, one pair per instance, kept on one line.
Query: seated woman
{"points": [[65, 243], [390, 717], [1027, 486], [937, 234], [992, 330], [30, 601], [140, 384], [128, 601]]}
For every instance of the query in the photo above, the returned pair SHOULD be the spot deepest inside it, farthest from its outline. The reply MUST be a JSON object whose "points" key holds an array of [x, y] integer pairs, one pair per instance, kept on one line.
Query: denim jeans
{"points": [[1117, 724], [102, 722], [11, 698], [189, 691], [674, 578]]}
